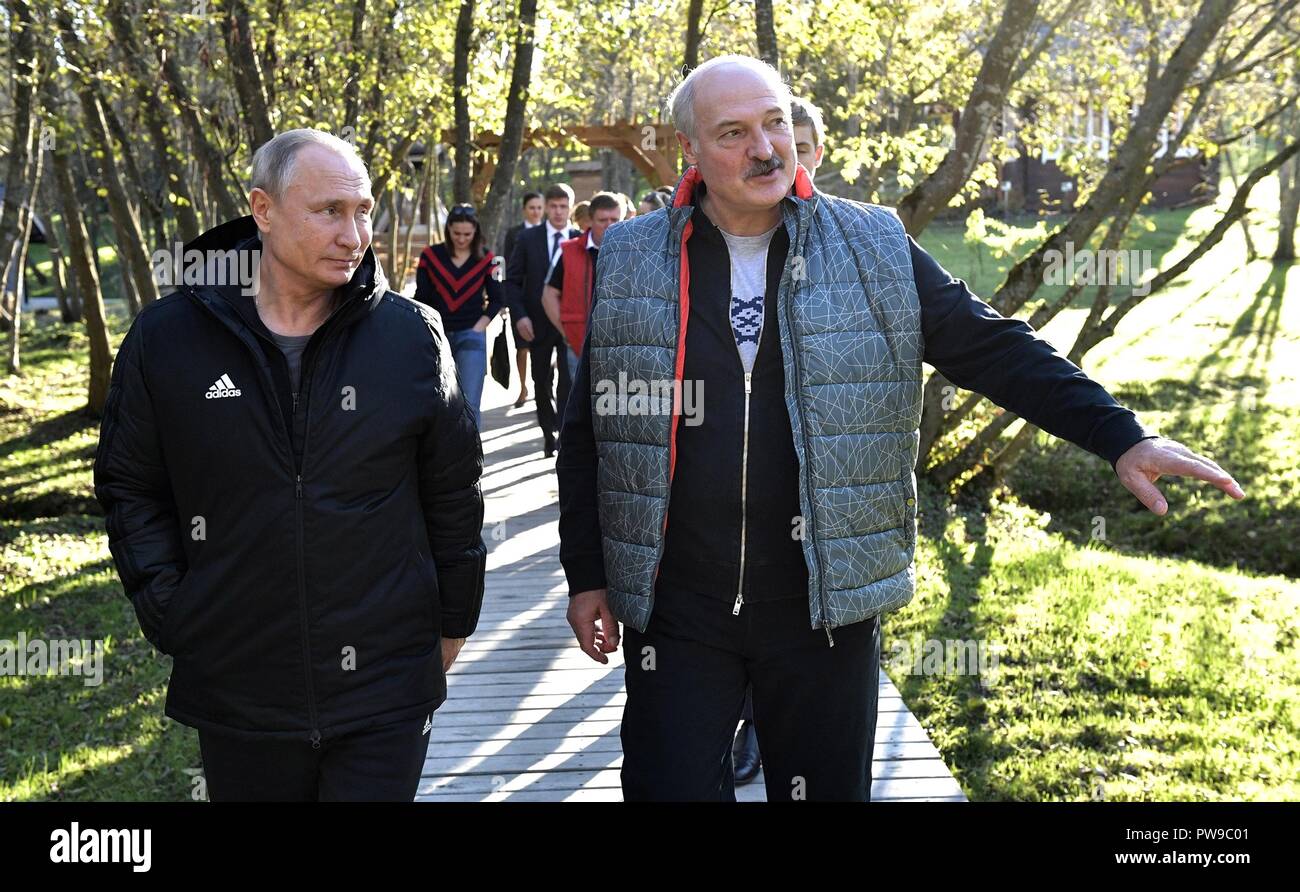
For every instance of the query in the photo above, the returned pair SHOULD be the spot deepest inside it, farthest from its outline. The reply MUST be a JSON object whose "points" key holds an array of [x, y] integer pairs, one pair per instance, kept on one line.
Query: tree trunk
{"points": [[68, 312], [87, 285], [516, 109], [1251, 253], [1127, 172], [149, 202], [22, 47], [375, 105], [765, 28], [354, 57], [692, 55], [17, 266], [420, 195], [1129, 177], [130, 241], [461, 184], [1098, 330], [246, 72], [983, 107], [1289, 201], [210, 158]]}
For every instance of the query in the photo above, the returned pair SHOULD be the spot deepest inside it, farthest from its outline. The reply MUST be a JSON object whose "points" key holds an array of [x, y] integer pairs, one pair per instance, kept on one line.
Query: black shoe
{"points": [[745, 758]]}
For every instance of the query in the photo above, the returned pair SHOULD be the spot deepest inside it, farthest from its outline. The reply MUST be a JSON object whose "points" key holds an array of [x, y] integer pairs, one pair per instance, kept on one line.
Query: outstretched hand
{"points": [[1148, 460]]}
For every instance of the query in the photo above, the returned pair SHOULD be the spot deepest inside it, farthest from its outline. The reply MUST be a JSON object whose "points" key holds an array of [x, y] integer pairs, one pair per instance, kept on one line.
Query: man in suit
{"points": [[533, 211], [536, 252]]}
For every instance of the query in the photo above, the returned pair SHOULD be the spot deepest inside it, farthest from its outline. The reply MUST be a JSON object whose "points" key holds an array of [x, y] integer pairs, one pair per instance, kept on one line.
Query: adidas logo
{"points": [[223, 387], [428, 723]]}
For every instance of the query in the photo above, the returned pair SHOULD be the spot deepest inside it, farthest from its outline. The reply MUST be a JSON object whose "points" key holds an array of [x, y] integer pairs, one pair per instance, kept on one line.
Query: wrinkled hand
{"points": [[585, 608], [525, 328], [450, 650], [1148, 460]]}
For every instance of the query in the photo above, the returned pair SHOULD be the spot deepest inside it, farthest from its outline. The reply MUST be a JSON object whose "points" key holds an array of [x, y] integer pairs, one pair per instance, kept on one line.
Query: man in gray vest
{"points": [[753, 359]]}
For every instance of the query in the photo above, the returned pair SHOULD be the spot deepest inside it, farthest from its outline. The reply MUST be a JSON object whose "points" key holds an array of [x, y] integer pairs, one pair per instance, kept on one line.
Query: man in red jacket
{"points": [[567, 295]]}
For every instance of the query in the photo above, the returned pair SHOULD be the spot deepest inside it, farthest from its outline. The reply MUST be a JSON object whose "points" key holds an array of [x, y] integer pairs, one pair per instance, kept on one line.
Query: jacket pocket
{"points": [[173, 615], [424, 567]]}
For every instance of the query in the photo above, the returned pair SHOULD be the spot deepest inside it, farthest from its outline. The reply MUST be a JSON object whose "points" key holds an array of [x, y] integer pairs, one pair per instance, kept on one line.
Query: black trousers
{"points": [[549, 413], [378, 764], [814, 705]]}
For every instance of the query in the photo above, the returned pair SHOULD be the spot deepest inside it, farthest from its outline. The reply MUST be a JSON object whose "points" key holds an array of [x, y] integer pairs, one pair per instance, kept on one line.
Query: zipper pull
{"points": [[297, 487], [740, 599], [295, 403], [315, 739], [747, 376], [828, 634]]}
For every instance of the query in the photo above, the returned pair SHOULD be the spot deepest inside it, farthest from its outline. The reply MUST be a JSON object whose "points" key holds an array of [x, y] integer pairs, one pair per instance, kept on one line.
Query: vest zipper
{"points": [[812, 521], [744, 500]]}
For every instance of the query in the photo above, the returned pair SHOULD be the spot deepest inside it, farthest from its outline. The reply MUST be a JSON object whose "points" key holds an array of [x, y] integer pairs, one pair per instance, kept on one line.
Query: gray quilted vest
{"points": [[850, 326]]}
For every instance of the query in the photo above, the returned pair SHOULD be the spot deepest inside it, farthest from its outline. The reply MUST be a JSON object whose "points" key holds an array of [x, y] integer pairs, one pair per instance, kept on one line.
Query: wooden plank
{"points": [[587, 700], [553, 781], [609, 742], [510, 764]]}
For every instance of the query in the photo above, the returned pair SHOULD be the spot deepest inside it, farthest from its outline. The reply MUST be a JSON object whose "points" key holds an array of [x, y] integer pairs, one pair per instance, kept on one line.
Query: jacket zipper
{"points": [[315, 736], [744, 497], [301, 538], [302, 611]]}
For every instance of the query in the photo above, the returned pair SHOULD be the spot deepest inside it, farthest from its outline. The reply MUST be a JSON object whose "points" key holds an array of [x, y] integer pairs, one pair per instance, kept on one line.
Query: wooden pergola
{"points": [[652, 148]]}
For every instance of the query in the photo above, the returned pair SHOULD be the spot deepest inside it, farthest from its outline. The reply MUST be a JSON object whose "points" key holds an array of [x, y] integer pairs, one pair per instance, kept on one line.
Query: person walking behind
{"points": [[536, 251], [567, 296], [455, 278], [533, 209]]}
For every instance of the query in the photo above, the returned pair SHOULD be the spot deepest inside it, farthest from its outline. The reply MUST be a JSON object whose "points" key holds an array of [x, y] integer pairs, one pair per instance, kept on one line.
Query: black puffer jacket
{"points": [[299, 562]]}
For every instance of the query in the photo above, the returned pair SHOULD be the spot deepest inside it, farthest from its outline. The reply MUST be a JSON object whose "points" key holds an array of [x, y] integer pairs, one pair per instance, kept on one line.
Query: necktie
{"points": [[555, 246]]}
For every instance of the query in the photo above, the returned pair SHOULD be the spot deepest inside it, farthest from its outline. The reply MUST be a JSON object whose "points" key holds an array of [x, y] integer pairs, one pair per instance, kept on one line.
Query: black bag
{"points": [[501, 359]]}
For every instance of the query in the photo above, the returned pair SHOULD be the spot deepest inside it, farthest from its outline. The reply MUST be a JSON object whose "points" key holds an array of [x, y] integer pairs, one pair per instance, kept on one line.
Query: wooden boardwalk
{"points": [[528, 716]]}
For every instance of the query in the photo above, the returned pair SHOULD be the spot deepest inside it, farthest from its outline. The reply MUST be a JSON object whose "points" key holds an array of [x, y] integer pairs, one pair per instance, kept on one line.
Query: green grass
{"points": [[42, 285], [1116, 676], [1157, 663], [59, 738], [1158, 660]]}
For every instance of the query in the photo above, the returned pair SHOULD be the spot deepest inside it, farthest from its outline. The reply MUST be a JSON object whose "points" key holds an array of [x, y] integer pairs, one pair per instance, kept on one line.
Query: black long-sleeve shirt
{"points": [[964, 338]]}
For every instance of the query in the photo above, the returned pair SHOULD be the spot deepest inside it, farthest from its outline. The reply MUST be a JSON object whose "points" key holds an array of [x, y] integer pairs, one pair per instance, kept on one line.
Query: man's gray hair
{"points": [[273, 162], [681, 101]]}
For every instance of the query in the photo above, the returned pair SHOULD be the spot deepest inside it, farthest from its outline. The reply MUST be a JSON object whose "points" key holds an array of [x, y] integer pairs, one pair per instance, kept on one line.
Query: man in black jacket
{"points": [[291, 482], [536, 251]]}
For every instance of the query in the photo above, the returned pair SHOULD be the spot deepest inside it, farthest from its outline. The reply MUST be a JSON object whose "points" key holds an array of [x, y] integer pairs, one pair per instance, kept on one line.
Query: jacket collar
{"points": [[691, 186], [360, 295]]}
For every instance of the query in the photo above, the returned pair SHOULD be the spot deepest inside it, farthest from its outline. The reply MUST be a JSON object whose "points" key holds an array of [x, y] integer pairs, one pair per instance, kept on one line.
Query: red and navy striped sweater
{"points": [[456, 292]]}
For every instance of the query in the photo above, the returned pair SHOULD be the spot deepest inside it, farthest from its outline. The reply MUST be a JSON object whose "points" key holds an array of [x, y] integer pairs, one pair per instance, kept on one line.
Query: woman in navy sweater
{"points": [[456, 279]]}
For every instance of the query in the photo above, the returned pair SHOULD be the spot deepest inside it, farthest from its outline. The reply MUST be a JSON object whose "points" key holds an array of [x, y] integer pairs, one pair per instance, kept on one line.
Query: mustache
{"points": [[767, 165]]}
